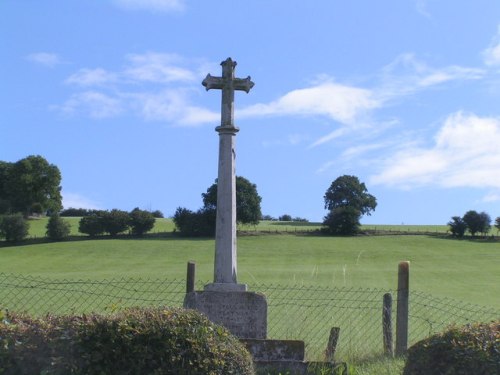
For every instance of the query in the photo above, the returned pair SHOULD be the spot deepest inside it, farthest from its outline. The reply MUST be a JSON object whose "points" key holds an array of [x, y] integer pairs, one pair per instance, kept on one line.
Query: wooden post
{"points": [[332, 344], [387, 324], [402, 309], [190, 279]]}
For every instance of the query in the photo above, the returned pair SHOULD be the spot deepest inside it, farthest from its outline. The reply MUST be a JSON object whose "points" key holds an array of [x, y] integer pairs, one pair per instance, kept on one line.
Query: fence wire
{"points": [[294, 311]]}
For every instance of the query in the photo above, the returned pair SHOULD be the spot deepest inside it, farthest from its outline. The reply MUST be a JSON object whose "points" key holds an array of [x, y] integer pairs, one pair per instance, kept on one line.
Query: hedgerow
{"points": [[135, 341]]}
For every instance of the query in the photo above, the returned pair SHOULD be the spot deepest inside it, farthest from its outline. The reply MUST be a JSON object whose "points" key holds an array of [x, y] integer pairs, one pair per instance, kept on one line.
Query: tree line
{"points": [[473, 222]]}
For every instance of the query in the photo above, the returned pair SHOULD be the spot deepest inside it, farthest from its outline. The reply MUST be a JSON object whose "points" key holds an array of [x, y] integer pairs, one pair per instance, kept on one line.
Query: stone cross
{"points": [[225, 268]]}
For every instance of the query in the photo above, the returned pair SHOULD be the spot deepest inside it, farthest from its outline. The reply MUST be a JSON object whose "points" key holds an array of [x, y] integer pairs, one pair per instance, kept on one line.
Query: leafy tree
{"points": [[343, 221], [57, 228], [348, 191], [247, 201], [195, 224], [13, 227], [93, 225], [477, 222], [115, 221], [457, 226], [158, 214], [347, 199], [4, 201], [497, 223], [285, 217], [141, 221], [31, 181], [75, 212]]}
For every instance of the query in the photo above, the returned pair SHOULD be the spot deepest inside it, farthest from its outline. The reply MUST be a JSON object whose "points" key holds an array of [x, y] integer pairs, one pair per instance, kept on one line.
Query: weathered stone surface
{"points": [[244, 314], [275, 350]]}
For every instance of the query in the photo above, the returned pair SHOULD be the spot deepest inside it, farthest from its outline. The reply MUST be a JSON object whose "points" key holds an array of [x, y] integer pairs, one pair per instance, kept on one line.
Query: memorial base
{"points": [[244, 314]]}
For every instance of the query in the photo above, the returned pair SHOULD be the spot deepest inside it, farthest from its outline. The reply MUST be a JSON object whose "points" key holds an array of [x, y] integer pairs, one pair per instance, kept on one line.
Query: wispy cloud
{"points": [[157, 67], [492, 53], [96, 104], [91, 77], [465, 153], [151, 5], [75, 200], [339, 102], [47, 59]]}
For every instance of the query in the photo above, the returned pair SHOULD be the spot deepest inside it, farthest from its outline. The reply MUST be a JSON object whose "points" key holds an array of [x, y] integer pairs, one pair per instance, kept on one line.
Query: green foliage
{"points": [[141, 221], [157, 214], [472, 349], [247, 201], [57, 228], [342, 221], [31, 183], [93, 225], [135, 341], [477, 222], [457, 226], [76, 212], [115, 221], [13, 227], [195, 224], [347, 199], [285, 217], [497, 223], [348, 191]]}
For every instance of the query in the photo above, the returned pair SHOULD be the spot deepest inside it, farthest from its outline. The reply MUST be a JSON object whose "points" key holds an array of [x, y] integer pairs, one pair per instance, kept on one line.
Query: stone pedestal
{"points": [[244, 314]]}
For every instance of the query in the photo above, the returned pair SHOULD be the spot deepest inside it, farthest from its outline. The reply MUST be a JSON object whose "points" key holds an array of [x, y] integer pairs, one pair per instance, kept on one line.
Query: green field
{"points": [[467, 270]]}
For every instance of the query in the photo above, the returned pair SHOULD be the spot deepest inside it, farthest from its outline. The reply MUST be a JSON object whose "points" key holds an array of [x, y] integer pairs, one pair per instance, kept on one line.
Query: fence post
{"points": [[191, 270], [332, 344], [402, 309], [387, 324]]}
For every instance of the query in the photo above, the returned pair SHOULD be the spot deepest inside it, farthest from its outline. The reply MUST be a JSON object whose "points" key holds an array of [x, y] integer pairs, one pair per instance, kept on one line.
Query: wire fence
{"points": [[294, 311]]}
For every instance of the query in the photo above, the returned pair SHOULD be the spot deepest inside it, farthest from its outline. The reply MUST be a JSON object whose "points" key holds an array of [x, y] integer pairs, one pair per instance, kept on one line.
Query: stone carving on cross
{"points": [[228, 84]]}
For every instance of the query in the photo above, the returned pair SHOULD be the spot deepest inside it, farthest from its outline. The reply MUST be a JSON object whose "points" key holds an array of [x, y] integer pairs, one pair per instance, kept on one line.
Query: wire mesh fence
{"points": [[294, 311]]}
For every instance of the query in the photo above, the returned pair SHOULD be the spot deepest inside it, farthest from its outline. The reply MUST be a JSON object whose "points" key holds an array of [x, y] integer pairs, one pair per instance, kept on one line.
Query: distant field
{"points": [[461, 269]]}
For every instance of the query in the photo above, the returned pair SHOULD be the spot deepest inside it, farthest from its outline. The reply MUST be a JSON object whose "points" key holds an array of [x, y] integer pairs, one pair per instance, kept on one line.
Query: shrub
{"points": [[195, 224], [141, 221], [93, 225], [57, 228], [115, 221], [136, 341], [13, 227], [472, 349]]}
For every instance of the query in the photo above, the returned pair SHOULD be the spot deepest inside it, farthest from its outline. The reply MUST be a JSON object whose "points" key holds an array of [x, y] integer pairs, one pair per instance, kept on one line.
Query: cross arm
{"points": [[243, 84], [211, 82]]}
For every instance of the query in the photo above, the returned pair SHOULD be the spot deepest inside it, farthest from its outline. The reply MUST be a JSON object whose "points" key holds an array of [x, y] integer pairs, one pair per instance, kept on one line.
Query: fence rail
{"points": [[294, 311]]}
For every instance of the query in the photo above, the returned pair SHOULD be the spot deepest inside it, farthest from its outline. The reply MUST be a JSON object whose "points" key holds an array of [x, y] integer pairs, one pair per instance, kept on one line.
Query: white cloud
{"points": [[151, 5], [339, 102], [75, 200], [91, 77], [491, 197], [158, 68], [45, 58], [492, 53], [465, 154], [96, 104]]}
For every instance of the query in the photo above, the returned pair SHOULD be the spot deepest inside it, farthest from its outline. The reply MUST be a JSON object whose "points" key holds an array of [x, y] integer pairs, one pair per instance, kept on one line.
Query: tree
{"points": [[30, 182], [348, 191], [247, 201], [285, 217], [93, 225], [195, 224], [13, 227], [141, 221], [347, 199], [497, 223], [477, 222], [457, 226], [343, 221], [57, 228], [4, 201], [115, 221]]}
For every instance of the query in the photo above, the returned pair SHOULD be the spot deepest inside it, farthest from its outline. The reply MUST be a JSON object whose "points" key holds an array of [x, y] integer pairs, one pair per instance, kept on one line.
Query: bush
{"points": [[473, 349], [141, 221], [195, 224], [57, 228], [115, 221], [93, 225], [136, 341], [13, 227]]}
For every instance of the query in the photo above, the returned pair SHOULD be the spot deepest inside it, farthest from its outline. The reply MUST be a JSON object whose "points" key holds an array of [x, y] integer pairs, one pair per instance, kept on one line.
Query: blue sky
{"points": [[403, 94]]}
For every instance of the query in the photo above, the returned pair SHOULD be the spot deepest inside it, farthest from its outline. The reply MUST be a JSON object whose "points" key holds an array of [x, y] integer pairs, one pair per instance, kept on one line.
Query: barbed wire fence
{"points": [[294, 311]]}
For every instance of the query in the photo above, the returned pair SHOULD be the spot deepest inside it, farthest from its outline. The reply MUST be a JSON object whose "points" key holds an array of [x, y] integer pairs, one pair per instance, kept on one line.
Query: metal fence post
{"points": [[190, 279], [387, 324], [402, 309]]}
